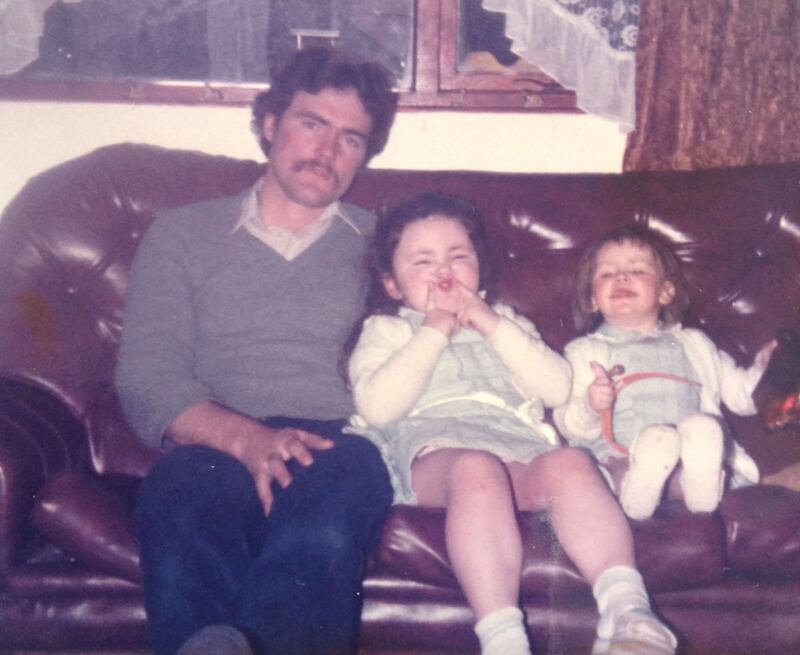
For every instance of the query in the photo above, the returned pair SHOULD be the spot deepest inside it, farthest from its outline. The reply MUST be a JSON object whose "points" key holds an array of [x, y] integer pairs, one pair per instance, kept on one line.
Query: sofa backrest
{"points": [[67, 241], [66, 244]]}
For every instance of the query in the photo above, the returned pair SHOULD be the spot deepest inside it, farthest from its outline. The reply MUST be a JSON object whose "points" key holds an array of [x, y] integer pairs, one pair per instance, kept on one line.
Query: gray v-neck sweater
{"points": [[213, 313]]}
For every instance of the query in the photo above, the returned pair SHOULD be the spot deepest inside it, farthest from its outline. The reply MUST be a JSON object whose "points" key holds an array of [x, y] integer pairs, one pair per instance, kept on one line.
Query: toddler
{"points": [[646, 392]]}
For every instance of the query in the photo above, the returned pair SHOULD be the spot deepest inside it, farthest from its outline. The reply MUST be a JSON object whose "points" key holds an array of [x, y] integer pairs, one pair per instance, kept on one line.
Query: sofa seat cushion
{"points": [[675, 550], [66, 578], [72, 623], [763, 532], [409, 616], [737, 617], [402, 615]]}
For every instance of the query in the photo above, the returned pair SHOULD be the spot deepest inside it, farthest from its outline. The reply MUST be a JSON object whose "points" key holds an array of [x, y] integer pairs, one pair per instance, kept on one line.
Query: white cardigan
{"points": [[392, 364], [721, 379]]}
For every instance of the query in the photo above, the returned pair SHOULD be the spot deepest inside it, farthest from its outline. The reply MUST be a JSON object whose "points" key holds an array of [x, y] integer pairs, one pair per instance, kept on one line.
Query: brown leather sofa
{"points": [[729, 583]]}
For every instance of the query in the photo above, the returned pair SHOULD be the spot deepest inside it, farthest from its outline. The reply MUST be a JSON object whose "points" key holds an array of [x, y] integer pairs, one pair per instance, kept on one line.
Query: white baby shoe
{"points": [[653, 456], [702, 451]]}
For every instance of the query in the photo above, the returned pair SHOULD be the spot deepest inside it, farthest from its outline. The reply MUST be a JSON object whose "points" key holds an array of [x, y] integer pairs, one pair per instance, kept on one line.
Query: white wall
{"points": [[37, 135]]}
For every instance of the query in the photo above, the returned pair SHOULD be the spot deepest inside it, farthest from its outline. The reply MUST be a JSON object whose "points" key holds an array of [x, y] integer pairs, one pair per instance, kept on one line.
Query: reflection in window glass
{"points": [[482, 33], [215, 40]]}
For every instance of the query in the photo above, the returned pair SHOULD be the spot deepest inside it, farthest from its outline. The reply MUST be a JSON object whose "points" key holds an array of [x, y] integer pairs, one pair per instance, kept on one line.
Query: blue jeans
{"points": [[291, 581]]}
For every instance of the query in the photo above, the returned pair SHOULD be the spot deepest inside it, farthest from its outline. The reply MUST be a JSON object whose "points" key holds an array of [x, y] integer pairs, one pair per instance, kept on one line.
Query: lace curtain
{"points": [[585, 45]]}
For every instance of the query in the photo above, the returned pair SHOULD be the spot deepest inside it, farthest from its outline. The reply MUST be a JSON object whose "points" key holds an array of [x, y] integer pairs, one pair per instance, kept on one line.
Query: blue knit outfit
{"points": [[652, 401], [449, 415]]}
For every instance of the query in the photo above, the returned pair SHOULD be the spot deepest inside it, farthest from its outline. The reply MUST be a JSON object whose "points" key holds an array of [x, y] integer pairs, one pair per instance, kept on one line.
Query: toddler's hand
{"points": [[600, 393], [476, 314], [436, 316], [765, 354]]}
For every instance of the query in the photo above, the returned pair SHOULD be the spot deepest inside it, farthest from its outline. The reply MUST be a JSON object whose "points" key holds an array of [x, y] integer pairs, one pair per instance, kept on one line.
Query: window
{"points": [[443, 53], [463, 60]]}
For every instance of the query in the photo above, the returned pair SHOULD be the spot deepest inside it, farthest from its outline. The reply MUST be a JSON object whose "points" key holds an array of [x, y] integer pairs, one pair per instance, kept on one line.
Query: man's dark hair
{"points": [[314, 69]]}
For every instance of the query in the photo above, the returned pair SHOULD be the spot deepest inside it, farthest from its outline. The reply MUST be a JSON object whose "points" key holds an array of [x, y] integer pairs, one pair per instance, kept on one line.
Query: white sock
{"points": [[502, 632], [617, 590]]}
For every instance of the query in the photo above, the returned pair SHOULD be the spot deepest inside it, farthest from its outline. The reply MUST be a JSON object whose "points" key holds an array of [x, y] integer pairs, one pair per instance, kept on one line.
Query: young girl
{"points": [[646, 391], [453, 390]]}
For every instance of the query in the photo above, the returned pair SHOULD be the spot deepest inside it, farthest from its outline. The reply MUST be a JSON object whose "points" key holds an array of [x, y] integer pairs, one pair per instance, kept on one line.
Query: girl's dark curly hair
{"points": [[388, 232]]}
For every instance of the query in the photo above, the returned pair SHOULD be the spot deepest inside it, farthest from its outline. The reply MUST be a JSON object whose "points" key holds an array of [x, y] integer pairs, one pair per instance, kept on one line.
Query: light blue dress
{"points": [[652, 401], [445, 416]]}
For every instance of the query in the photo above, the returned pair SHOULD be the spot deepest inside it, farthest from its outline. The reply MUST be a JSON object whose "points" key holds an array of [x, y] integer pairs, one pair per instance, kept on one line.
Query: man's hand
{"points": [[264, 451], [266, 454]]}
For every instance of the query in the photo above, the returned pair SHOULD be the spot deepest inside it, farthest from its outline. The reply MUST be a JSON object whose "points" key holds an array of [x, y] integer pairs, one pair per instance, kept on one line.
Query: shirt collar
{"points": [[613, 333], [249, 211]]}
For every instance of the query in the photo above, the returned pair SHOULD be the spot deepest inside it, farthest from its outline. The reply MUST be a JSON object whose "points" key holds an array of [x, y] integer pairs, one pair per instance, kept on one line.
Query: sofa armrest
{"points": [[91, 519], [39, 436]]}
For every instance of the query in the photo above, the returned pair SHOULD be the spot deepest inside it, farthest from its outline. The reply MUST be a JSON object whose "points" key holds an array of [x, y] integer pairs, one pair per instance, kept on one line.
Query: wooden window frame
{"points": [[438, 83]]}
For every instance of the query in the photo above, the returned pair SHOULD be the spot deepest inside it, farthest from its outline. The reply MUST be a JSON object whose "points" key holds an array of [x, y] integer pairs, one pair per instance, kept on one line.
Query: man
{"points": [[254, 526]]}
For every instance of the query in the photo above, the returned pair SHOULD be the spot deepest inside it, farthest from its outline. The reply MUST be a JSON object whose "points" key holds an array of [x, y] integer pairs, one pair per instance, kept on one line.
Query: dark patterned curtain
{"points": [[717, 84]]}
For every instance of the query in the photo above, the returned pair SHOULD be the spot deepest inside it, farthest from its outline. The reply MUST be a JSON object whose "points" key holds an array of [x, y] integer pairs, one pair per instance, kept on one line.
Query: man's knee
{"points": [[347, 485], [362, 469], [336, 542], [194, 482], [360, 451], [185, 463]]}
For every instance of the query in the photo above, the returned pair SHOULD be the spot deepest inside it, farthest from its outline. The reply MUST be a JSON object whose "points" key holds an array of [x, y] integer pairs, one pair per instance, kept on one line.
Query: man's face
{"points": [[317, 146]]}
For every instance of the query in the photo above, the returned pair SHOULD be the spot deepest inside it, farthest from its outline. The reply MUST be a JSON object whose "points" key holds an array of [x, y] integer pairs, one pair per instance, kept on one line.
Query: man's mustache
{"points": [[318, 165]]}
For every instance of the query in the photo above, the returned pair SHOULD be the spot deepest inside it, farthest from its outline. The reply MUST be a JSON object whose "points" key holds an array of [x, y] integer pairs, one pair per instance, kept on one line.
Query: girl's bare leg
{"points": [[481, 530], [595, 534], [586, 518]]}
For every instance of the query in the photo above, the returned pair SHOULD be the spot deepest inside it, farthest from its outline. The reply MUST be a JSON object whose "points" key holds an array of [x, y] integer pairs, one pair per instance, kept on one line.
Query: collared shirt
{"points": [[287, 243]]}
